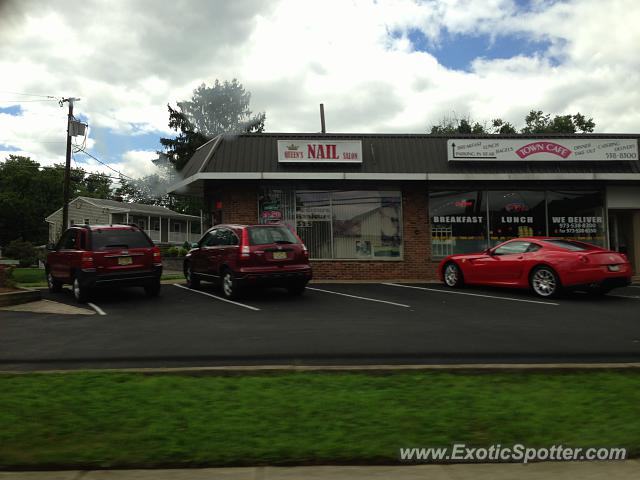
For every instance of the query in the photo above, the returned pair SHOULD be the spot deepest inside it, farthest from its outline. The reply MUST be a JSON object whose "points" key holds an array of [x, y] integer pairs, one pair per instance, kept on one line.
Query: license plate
{"points": [[125, 261], [279, 255], [614, 268]]}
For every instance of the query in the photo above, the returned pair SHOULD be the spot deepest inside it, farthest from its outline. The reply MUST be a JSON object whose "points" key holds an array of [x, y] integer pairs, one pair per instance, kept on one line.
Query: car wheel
{"points": [[192, 280], [80, 292], [544, 282], [452, 275], [297, 289], [153, 289], [54, 285], [229, 285]]}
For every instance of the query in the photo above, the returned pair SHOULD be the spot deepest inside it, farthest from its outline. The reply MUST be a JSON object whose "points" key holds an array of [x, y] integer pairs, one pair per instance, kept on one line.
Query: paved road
{"points": [[331, 323]]}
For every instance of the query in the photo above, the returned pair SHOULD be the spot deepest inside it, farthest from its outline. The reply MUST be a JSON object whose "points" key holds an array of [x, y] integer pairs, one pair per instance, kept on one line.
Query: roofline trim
{"points": [[209, 156], [399, 176]]}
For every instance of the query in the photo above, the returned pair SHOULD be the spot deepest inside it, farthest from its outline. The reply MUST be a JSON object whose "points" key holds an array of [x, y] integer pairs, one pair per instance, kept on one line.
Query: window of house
{"points": [[352, 224], [86, 221], [177, 227], [458, 222]]}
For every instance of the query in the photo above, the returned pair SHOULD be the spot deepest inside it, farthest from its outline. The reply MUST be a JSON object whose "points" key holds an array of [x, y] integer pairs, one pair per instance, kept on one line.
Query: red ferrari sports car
{"points": [[543, 264]]}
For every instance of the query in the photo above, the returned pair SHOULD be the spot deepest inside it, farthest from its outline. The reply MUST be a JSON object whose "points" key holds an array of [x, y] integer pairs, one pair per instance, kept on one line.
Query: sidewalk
{"points": [[533, 471]]}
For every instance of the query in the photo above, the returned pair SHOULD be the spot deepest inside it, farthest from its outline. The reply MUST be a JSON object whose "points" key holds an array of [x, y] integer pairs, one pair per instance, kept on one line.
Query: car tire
{"points": [[192, 280], [544, 282], [153, 289], [229, 285], [452, 275], [297, 289], [55, 286], [80, 292]]}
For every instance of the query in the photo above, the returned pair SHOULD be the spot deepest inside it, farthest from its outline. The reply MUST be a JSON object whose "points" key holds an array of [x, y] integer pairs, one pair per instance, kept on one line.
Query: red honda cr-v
{"points": [[89, 256], [236, 256]]}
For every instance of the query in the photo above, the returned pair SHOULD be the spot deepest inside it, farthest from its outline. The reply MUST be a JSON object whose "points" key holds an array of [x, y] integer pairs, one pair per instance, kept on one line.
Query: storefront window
{"points": [[515, 214], [339, 224], [458, 222], [577, 215], [366, 224]]}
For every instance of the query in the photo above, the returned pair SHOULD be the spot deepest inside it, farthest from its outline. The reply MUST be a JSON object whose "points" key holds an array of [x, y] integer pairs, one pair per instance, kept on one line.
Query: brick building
{"points": [[381, 207]]}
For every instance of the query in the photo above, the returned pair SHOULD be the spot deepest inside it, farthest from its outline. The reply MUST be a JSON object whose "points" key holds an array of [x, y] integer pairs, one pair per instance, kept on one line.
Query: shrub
{"points": [[22, 251], [172, 252], [182, 252], [5, 276]]}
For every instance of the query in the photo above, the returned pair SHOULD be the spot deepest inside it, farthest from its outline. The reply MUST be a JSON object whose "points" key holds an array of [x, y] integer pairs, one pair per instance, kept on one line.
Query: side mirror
{"points": [[51, 246], [488, 251]]}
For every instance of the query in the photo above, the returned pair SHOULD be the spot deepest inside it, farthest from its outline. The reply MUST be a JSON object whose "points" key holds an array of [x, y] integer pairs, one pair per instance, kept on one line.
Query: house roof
{"points": [[385, 156], [134, 208]]}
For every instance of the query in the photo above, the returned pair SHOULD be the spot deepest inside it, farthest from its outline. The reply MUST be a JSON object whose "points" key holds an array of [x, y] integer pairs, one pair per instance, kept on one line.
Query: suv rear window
{"points": [[267, 235], [120, 238], [570, 245]]}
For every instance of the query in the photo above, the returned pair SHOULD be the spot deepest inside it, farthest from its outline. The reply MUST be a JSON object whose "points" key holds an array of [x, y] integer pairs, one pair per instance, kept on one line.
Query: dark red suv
{"points": [[89, 256], [237, 256]]}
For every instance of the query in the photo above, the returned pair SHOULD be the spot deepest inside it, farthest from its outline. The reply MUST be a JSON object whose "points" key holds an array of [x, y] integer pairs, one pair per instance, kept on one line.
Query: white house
{"points": [[160, 223]]}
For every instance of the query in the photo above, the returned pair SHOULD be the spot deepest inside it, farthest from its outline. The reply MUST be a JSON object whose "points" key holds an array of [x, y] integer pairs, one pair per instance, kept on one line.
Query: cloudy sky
{"points": [[378, 66]]}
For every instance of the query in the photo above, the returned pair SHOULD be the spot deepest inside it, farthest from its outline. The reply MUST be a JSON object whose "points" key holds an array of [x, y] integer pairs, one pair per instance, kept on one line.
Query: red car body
{"points": [[237, 256], [91, 256], [574, 264]]}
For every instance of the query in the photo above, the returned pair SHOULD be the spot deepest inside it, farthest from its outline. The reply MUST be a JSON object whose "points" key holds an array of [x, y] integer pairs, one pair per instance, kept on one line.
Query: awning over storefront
{"points": [[372, 157]]}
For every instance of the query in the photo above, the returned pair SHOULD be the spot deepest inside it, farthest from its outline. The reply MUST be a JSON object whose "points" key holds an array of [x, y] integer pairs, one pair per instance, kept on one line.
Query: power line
{"points": [[27, 94], [27, 101], [105, 164]]}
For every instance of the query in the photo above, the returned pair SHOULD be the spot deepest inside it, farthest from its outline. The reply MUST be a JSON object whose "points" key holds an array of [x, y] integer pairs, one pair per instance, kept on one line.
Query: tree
{"points": [[222, 108], [29, 193], [535, 122]]}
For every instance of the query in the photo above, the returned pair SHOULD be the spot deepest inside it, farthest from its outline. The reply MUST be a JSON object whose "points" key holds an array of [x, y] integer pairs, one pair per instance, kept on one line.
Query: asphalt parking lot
{"points": [[330, 324]]}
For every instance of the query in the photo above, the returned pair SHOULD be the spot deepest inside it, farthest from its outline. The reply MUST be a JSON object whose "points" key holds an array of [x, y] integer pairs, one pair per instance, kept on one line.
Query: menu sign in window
{"points": [[542, 149]]}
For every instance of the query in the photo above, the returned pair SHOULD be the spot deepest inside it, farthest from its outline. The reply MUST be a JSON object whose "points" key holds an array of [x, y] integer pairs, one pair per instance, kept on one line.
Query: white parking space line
{"points": [[625, 296], [98, 310], [360, 298], [218, 298], [511, 299]]}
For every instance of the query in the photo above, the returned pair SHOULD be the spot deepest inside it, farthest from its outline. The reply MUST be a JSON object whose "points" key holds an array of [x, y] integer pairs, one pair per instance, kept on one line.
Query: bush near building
{"points": [[23, 251]]}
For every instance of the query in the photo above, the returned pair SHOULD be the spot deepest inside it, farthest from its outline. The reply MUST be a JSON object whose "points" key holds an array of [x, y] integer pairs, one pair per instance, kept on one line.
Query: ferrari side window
{"points": [[533, 247], [512, 248]]}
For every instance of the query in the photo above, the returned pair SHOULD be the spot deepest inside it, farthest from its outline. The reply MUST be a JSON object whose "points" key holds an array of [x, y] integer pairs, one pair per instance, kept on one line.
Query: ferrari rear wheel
{"points": [[452, 275], [544, 282]]}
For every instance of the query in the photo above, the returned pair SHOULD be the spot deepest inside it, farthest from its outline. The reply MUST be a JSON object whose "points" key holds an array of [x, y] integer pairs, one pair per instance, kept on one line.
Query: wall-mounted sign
{"points": [[319, 151], [542, 149]]}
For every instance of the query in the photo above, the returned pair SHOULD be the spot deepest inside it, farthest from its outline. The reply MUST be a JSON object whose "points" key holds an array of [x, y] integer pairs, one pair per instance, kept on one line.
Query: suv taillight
{"points": [[157, 258], [305, 252], [86, 262], [245, 249]]}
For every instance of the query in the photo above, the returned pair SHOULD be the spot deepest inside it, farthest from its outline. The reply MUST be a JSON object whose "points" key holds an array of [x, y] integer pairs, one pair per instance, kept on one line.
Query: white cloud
{"points": [[127, 60]]}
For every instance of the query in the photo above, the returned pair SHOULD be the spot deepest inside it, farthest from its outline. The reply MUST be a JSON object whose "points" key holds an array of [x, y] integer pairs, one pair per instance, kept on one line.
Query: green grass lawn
{"points": [[34, 277], [126, 420], [28, 276]]}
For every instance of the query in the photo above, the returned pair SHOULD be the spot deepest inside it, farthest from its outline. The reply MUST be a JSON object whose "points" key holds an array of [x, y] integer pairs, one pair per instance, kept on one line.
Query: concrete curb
{"points": [[23, 295], [266, 369], [494, 471]]}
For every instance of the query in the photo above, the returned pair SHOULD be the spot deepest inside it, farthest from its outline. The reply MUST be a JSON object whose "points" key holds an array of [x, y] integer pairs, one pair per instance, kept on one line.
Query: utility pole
{"points": [[67, 167]]}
